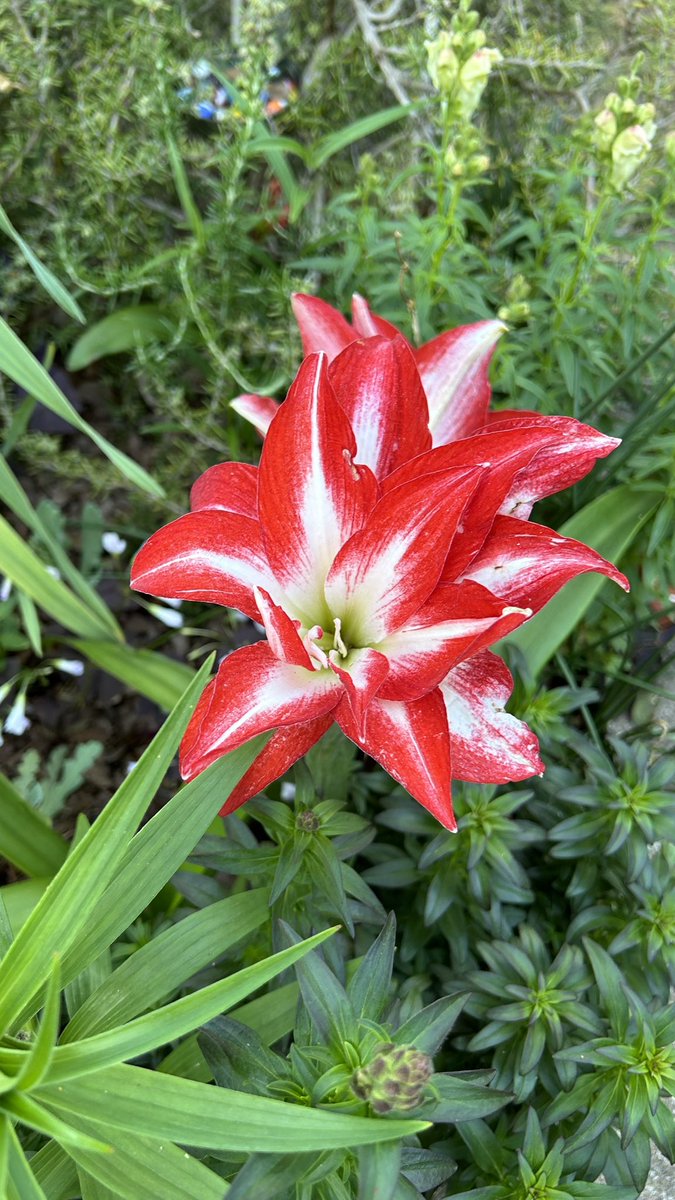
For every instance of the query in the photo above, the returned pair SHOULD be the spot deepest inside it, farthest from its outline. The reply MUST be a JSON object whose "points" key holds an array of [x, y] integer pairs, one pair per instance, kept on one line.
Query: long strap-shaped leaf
{"points": [[25, 839], [71, 898], [17, 362], [163, 1106]]}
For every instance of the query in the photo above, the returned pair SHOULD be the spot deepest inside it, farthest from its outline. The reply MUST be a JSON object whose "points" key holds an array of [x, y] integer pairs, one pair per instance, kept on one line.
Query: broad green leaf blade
{"points": [[162, 965], [608, 524], [154, 675], [22, 1182], [71, 897], [29, 1112], [142, 1169], [44, 276], [25, 839], [369, 988], [120, 331], [156, 853], [173, 1020], [379, 1169], [21, 564], [17, 362], [55, 1172], [93, 1189], [327, 146], [165, 1106], [13, 495], [31, 623]]}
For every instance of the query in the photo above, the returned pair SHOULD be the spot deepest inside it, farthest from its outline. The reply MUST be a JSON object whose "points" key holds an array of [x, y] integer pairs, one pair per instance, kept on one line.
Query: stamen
{"points": [[318, 656], [338, 643]]}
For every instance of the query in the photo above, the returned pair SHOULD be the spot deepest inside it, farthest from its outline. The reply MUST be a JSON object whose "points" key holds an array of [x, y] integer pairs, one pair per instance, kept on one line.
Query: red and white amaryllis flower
{"points": [[381, 570]]}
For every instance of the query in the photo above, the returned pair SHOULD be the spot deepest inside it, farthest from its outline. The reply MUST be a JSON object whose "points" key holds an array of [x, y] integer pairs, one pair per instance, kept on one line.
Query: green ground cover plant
{"points": [[325, 995]]}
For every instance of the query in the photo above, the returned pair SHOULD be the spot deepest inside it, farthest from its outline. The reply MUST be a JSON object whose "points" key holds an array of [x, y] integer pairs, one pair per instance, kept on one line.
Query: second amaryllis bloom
{"points": [[381, 570]]}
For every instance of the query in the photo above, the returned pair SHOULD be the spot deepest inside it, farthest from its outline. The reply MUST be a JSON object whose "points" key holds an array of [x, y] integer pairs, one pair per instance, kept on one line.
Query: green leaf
{"points": [[15, 498], [379, 1170], [611, 986], [165, 1106], [161, 679], [55, 1172], [163, 964], [324, 996], [29, 1112], [17, 362], [44, 276], [70, 899], [22, 1182], [369, 988], [180, 178], [428, 1029], [608, 524], [31, 623], [461, 1100], [142, 1169], [121, 332], [40, 1054], [327, 146], [173, 1020], [21, 564], [157, 851], [26, 840]]}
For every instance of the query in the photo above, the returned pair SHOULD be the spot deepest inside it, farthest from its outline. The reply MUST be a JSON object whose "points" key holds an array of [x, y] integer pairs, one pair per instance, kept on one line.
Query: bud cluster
{"points": [[516, 310], [459, 64], [622, 133], [395, 1078]]}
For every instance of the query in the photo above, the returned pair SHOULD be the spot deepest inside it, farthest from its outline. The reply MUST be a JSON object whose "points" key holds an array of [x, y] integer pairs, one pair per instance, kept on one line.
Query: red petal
{"points": [[389, 568], [230, 486], [409, 739], [454, 369], [284, 749], [456, 621], [488, 745], [526, 564], [258, 410], [282, 632], [322, 327], [311, 497], [252, 692], [378, 385], [571, 451], [362, 674], [502, 456], [216, 557], [367, 323]]}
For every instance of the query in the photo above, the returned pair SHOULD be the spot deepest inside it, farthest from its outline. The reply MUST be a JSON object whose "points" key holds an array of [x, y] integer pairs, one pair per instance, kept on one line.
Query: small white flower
{"points": [[287, 791], [17, 722], [168, 616], [53, 571], [168, 600], [133, 762], [71, 666], [112, 543], [5, 588]]}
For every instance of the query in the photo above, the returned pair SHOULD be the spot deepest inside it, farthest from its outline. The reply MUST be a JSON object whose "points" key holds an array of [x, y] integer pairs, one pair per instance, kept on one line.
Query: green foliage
{"points": [[493, 1020]]}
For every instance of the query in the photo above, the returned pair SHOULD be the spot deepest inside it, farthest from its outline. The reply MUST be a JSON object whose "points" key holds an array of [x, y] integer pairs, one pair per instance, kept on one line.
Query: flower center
{"points": [[318, 644]]}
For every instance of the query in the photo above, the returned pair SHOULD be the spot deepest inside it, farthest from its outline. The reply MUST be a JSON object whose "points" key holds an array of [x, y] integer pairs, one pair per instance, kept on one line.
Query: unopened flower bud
{"points": [[479, 164], [442, 63], [394, 1080], [630, 148], [308, 822], [628, 107], [669, 147], [613, 102], [605, 129]]}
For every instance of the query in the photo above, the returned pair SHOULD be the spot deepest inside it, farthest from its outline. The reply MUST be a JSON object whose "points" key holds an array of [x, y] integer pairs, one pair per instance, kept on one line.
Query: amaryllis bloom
{"points": [[453, 370], [382, 569]]}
